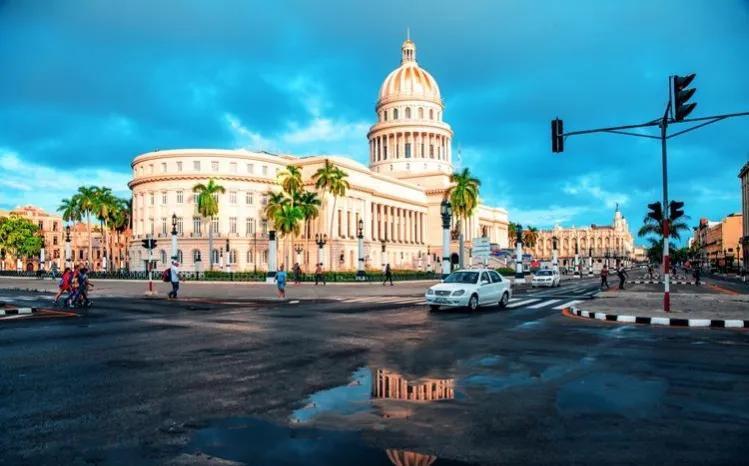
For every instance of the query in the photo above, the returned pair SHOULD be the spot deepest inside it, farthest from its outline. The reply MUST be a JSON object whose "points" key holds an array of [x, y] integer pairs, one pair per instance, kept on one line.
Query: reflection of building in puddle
{"points": [[409, 458], [391, 385]]}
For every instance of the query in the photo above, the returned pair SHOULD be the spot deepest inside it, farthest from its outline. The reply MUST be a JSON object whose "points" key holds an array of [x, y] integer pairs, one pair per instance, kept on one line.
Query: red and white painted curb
{"points": [[666, 321], [659, 282], [17, 311]]}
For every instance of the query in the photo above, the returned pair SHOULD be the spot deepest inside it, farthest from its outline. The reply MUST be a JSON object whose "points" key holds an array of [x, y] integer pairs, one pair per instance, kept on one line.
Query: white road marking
{"points": [[565, 305], [544, 303], [522, 303]]}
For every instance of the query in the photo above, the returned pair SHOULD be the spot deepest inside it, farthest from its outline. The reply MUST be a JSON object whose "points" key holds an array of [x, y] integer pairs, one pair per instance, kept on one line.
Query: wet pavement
{"points": [[337, 383]]}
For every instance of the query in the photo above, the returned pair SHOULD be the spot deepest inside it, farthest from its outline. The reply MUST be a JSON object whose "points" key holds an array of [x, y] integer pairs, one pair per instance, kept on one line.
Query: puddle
{"points": [[611, 393], [372, 384], [488, 361], [262, 443]]}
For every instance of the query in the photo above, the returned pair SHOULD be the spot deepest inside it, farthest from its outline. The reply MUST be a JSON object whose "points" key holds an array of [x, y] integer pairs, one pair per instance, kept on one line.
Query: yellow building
{"points": [[723, 241], [397, 197], [603, 244]]}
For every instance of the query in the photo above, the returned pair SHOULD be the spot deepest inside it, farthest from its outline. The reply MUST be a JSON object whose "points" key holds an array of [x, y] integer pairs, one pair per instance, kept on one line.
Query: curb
{"points": [[19, 310], [665, 321], [658, 282]]}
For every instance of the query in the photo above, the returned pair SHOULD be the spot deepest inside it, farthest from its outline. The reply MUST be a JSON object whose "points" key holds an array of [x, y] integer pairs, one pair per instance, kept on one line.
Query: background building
{"points": [[397, 197], [719, 243], [52, 228], [744, 177], [603, 243]]}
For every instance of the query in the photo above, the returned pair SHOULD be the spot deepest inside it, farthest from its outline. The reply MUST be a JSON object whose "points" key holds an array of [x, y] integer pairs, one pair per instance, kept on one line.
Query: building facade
{"points": [[604, 244], [744, 177], [719, 243], [397, 197], [53, 230]]}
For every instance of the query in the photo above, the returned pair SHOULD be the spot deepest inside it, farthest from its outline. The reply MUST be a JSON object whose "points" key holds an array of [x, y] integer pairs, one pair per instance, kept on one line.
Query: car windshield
{"points": [[462, 277], [544, 273]]}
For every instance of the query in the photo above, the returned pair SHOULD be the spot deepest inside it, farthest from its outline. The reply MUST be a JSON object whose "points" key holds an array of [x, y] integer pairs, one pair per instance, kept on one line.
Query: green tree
{"points": [[309, 205], [120, 220], [530, 236], [464, 197], [275, 200], [512, 232], [290, 180], [105, 204], [20, 237], [208, 206], [331, 180], [287, 219], [85, 199]]}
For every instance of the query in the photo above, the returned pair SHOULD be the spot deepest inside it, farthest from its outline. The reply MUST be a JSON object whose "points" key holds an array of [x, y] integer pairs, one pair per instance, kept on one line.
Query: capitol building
{"points": [[397, 197]]}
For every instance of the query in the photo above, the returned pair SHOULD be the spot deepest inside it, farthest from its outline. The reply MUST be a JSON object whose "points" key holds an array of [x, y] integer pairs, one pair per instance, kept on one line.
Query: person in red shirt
{"points": [[64, 285], [605, 277]]}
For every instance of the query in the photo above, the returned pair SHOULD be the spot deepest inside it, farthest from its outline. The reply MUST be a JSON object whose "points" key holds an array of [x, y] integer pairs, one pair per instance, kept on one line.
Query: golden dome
{"points": [[409, 80]]}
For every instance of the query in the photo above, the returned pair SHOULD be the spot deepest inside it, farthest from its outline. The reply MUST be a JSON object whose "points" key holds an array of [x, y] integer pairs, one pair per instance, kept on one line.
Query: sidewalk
{"points": [[700, 307]]}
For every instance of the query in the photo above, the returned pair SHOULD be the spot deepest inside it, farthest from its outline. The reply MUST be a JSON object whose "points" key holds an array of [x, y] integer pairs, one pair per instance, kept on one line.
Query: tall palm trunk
{"points": [[90, 240]]}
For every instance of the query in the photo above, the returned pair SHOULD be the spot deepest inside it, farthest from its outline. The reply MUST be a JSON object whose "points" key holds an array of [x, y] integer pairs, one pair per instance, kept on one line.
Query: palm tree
{"points": [[70, 210], [103, 207], [208, 208], [290, 180], [464, 197], [286, 220], [512, 232], [120, 220], [274, 202], [655, 225], [530, 236], [332, 180], [86, 199], [309, 205]]}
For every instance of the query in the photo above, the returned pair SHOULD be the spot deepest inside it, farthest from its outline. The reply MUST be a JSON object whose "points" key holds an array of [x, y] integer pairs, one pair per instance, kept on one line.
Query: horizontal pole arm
{"points": [[627, 133], [678, 133], [613, 128]]}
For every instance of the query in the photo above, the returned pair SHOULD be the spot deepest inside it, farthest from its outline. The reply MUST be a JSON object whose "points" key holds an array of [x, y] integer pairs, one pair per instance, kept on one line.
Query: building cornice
{"points": [[197, 177], [220, 153]]}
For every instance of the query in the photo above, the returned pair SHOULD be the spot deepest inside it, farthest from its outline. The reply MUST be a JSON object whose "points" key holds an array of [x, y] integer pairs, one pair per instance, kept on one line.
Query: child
{"points": [[64, 284], [281, 282]]}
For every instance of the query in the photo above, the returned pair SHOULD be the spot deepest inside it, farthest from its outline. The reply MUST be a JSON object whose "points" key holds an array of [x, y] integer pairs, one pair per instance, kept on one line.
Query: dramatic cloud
{"points": [[86, 86]]}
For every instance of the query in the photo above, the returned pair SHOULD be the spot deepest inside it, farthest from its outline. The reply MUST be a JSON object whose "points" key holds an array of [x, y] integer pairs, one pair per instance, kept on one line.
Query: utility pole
{"points": [[677, 109]]}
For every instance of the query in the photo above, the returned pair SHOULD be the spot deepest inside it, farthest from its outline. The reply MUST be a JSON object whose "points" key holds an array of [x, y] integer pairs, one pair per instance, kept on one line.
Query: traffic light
{"points": [[675, 210], [557, 138], [656, 212], [682, 95], [149, 243]]}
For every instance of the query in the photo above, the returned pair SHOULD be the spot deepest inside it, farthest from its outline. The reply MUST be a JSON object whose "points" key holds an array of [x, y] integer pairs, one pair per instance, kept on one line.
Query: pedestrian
{"points": [[388, 275], [281, 282], [319, 276], [54, 270], [696, 275], [297, 273], [174, 279], [622, 274], [605, 276], [63, 286]]}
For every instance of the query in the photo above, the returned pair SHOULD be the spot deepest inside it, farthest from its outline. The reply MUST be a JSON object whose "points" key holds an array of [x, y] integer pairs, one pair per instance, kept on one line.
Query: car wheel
{"points": [[434, 307], [473, 302], [504, 300]]}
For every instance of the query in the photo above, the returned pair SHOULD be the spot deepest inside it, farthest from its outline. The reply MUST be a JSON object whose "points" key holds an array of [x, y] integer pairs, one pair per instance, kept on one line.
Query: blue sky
{"points": [[85, 86]]}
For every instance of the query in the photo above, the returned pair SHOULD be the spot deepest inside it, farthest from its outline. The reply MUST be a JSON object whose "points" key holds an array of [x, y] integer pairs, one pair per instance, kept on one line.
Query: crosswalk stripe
{"points": [[548, 302], [522, 303], [562, 306], [512, 300]]}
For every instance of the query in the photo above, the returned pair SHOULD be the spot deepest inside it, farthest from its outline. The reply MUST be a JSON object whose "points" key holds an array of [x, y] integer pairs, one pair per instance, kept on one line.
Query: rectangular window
{"points": [[232, 197], [196, 226], [248, 198], [408, 150], [180, 197], [264, 200], [163, 167], [265, 170], [151, 226], [41, 225], [163, 198], [340, 226], [179, 166], [214, 166], [421, 152], [385, 152], [163, 226], [348, 224], [196, 165], [233, 225], [214, 225], [251, 168], [54, 240], [233, 167], [179, 225], [264, 227], [249, 226], [153, 199], [431, 151]]}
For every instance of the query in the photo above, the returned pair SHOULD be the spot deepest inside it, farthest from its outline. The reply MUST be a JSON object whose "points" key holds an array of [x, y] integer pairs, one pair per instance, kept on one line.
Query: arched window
{"points": [[385, 115], [179, 256], [395, 114], [196, 255], [249, 256], [408, 112], [421, 113], [431, 114], [215, 256], [162, 256], [233, 256]]}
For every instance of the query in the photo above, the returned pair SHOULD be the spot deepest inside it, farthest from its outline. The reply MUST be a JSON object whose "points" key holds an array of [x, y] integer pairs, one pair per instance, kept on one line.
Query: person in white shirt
{"points": [[174, 279]]}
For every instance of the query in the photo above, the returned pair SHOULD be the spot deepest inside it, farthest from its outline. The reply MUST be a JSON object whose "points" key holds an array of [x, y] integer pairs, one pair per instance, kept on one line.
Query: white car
{"points": [[470, 288], [546, 278]]}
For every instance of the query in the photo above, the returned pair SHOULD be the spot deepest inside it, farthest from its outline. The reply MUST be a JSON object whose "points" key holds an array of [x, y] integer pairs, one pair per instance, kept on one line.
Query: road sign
{"points": [[481, 247]]}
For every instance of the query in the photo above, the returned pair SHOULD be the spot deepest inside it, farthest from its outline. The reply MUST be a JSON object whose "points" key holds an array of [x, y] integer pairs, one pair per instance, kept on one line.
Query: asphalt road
{"points": [[322, 382]]}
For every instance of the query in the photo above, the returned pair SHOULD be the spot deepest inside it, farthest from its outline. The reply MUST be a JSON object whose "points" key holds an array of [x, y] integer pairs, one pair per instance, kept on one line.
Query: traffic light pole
{"points": [[666, 219]]}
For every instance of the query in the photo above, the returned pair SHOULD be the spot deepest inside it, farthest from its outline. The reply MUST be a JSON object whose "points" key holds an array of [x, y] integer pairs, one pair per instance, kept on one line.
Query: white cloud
{"points": [[548, 217], [25, 182], [592, 187], [325, 129], [246, 138]]}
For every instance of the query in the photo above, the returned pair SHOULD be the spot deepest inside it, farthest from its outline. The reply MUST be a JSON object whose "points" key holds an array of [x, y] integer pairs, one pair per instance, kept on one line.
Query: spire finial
{"points": [[408, 33]]}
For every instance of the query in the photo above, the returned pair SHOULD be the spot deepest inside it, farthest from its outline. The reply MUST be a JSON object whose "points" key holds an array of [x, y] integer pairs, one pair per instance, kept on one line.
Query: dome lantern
{"points": [[408, 51]]}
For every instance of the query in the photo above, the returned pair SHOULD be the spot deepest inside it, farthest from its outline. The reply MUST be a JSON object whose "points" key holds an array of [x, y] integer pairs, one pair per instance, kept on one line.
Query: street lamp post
{"points": [[174, 236], [270, 277], [360, 274], [67, 246], [519, 272], [228, 257], [429, 260], [577, 260], [446, 210], [383, 259], [590, 261], [41, 256], [555, 253], [298, 249], [320, 240]]}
